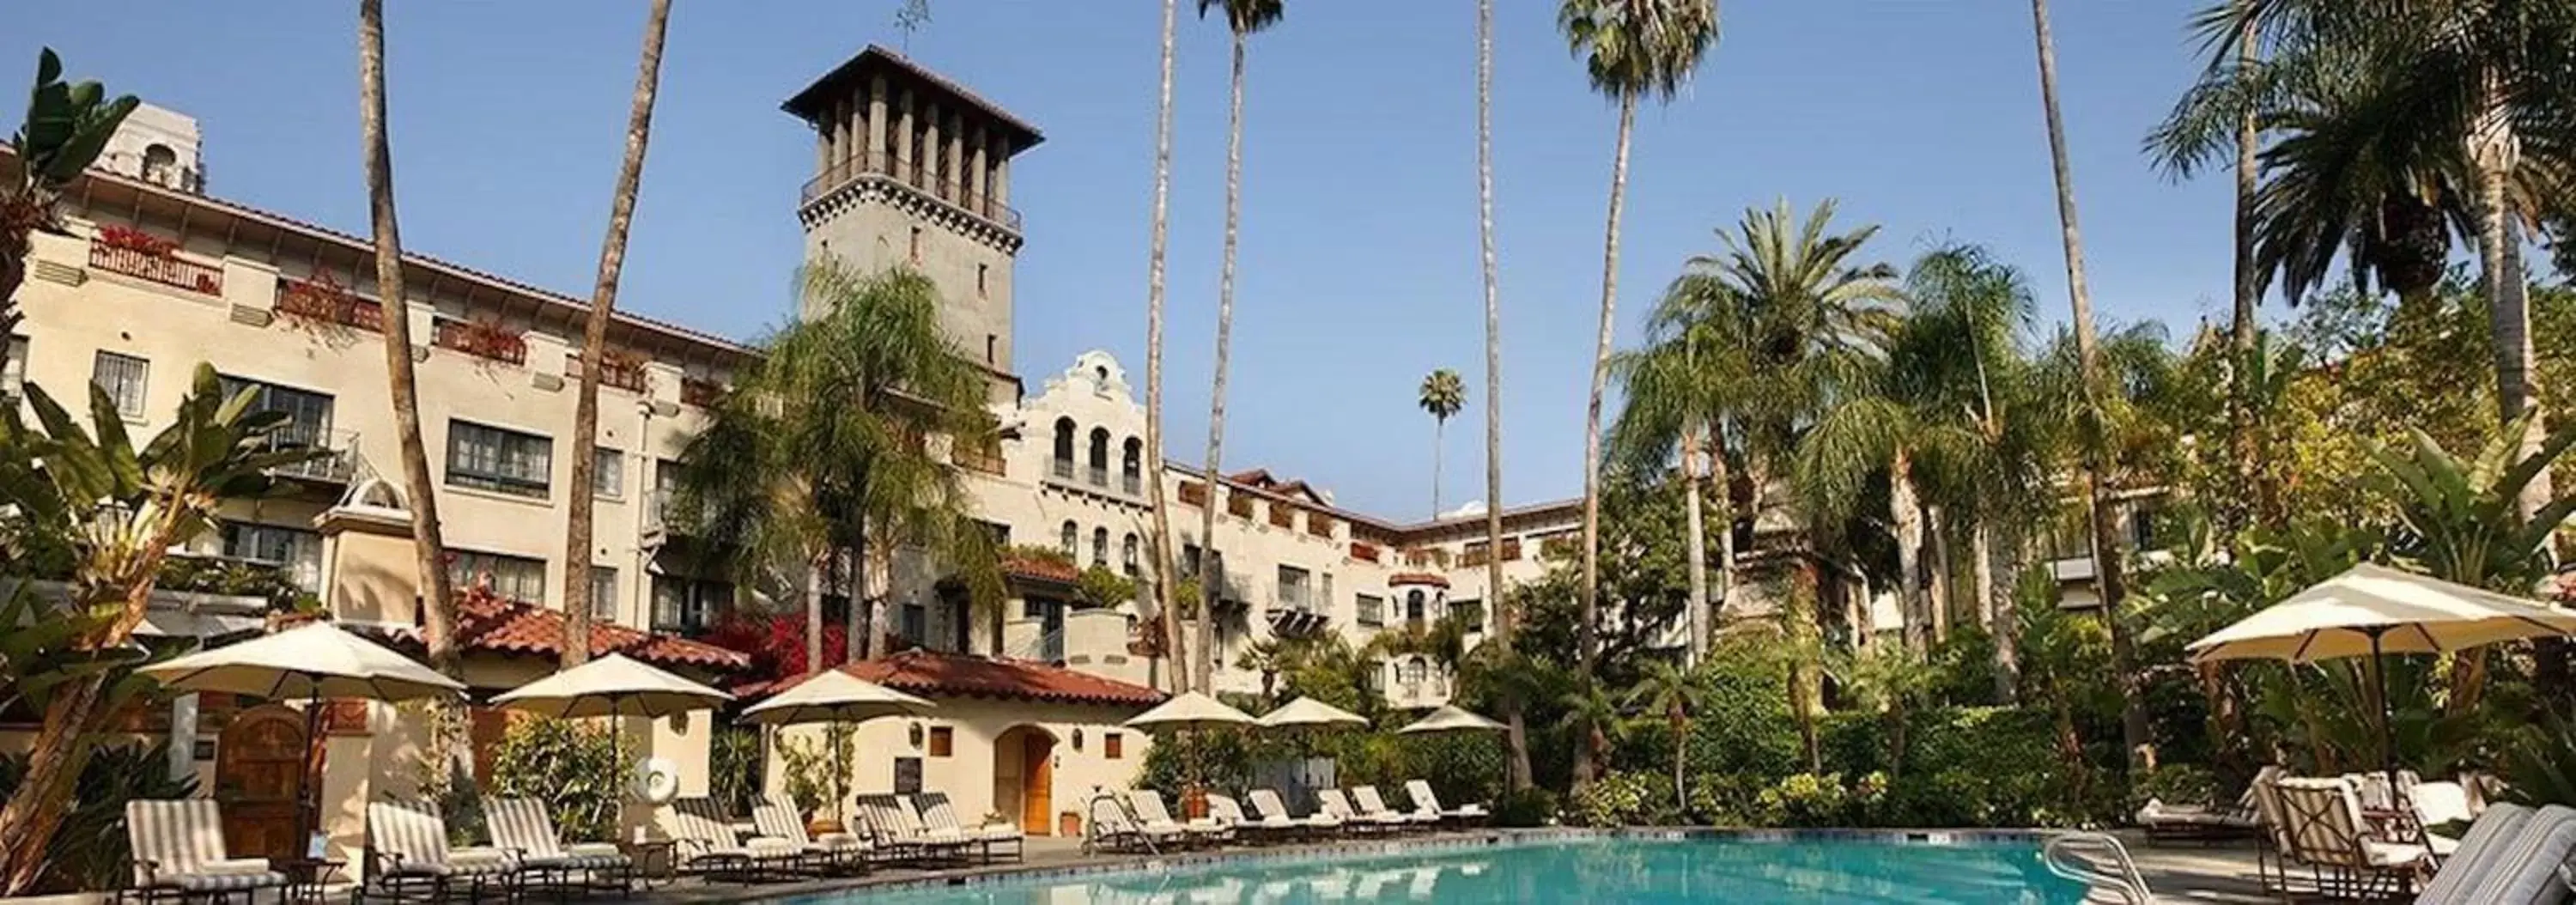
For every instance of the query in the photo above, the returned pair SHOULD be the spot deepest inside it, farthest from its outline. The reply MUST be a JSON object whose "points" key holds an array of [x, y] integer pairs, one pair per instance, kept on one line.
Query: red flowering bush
{"points": [[128, 238], [776, 644]]}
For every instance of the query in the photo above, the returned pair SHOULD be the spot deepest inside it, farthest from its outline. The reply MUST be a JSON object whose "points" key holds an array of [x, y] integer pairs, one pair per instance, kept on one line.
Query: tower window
{"points": [[980, 270], [991, 343], [916, 245]]}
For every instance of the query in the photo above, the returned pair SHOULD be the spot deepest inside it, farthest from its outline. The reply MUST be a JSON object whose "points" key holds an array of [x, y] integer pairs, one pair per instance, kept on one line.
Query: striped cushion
{"points": [[523, 824], [581, 862], [2525, 871], [175, 836], [220, 882], [776, 820]]}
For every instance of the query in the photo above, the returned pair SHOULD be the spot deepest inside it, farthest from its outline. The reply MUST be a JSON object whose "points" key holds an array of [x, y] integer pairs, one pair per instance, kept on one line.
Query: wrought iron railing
{"points": [[166, 269]]}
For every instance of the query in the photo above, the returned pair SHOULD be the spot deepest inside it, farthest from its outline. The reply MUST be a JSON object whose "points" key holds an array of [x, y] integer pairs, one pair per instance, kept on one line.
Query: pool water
{"points": [[1720, 871]]}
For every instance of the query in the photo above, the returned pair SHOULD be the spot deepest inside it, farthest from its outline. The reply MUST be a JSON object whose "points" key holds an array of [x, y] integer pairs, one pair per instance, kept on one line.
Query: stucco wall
{"points": [[969, 772]]}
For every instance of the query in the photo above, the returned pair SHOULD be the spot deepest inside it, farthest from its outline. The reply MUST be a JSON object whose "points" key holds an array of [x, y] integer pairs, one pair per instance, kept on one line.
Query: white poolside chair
{"points": [[706, 844], [1424, 802], [828, 853], [2526, 866], [178, 848], [1229, 813], [2329, 834], [524, 828], [1122, 826], [1373, 806], [2485, 842], [1274, 815], [940, 814], [407, 856], [2197, 821], [1150, 813], [1335, 804], [896, 828]]}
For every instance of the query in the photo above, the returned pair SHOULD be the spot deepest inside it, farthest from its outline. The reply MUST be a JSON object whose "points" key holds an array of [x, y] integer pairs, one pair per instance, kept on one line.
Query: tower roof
{"points": [[815, 100]]}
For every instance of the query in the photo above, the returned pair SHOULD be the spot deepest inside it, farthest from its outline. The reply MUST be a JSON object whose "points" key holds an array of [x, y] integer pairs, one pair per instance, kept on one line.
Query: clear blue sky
{"points": [[1358, 270]]}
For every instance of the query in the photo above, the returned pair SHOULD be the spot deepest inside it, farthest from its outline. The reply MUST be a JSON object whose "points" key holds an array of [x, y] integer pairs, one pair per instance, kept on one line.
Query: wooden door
{"points": [[1037, 784], [259, 763]]}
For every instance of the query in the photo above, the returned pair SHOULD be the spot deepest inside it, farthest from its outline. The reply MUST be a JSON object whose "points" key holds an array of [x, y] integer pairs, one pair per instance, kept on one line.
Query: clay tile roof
{"points": [[1040, 568], [509, 627], [925, 672], [1417, 578]]}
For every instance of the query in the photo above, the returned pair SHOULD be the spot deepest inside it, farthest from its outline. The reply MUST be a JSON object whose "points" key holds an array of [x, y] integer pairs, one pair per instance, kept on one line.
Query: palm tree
{"points": [[594, 344], [1164, 600], [1243, 18], [2107, 578], [1632, 49], [820, 455], [1593, 714], [67, 126], [420, 490], [1672, 691], [1680, 392], [115, 510], [1443, 395], [1516, 736]]}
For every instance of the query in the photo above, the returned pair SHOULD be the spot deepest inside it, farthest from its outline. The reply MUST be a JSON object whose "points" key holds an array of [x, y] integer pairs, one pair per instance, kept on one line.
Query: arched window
{"points": [[1415, 670], [1413, 604], [1127, 553], [160, 164], [1099, 457], [1064, 449], [1100, 546], [1131, 467], [1070, 538]]}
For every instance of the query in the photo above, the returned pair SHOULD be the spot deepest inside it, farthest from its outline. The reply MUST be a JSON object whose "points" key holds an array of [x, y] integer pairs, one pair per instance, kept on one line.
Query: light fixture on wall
{"points": [[915, 735], [1077, 738]]}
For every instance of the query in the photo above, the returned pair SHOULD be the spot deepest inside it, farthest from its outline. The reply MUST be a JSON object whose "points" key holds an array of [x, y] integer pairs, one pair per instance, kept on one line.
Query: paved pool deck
{"points": [[2177, 872]]}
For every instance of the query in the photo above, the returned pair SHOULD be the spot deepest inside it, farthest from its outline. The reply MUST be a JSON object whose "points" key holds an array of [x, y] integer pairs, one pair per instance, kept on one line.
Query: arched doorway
{"points": [[1024, 778], [259, 776]]}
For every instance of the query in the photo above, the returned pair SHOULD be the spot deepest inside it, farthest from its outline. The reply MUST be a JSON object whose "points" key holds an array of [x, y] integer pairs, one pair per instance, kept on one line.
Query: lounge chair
{"points": [[407, 857], [1274, 815], [2487, 839], [705, 843], [1150, 810], [1121, 827], [1426, 803], [179, 853], [940, 814], [896, 829], [1340, 807], [829, 853], [2330, 835], [2525, 868], [1373, 806], [1228, 813], [524, 828], [2196, 821]]}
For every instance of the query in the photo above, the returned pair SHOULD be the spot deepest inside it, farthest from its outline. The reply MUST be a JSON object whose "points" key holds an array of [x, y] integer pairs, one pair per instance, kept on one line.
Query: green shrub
{"points": [[2176, 784], [576, 769], [89, 851], [1624, 799], [735, 767], [1533, 806], [1804, 800], [1725, 799], [817, 768]]}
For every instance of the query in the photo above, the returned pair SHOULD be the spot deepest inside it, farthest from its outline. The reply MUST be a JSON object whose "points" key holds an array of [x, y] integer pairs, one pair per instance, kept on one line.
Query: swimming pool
{"points": [[1721, 870]]}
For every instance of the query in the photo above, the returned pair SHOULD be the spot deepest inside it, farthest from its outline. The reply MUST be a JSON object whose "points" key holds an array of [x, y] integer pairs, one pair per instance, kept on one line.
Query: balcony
{"points": [[623, 371], [1099, 476], [904, 172], [1132, 482], [975, 459], [701, 392], [659, 515], [337, 464], [1062, 469], [322, 301], [482, 339], [1289, 620], [157, 265]]}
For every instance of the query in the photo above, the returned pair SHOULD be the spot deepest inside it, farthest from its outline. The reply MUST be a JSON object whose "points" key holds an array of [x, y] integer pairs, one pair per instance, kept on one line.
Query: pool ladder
{"points": [[2098, 861]]}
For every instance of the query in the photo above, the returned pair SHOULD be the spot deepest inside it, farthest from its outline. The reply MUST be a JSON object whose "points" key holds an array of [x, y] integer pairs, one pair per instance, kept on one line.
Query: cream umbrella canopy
{"points": [[1308, 713], [1450, 719], [614, 685], [1194, 710], [2372, 610], [313, 661], [834, 696]]}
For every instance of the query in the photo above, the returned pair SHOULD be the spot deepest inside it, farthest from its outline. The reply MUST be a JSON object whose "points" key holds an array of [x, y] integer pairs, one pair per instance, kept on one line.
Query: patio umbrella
{"points": [[1189, 713], [1451, 719], [614, 685], [834, 696], [2375, 610], [312, 661], [1306, 714]]}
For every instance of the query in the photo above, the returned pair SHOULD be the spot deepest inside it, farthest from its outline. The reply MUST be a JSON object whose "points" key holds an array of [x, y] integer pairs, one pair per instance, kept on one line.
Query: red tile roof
{"points": [[925, 672], [1040, 568], [508, 627], [1417, 578]]}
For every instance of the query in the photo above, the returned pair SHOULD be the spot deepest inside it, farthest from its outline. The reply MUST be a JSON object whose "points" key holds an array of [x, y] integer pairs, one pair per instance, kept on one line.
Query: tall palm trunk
{"points": [[438, 598], [1204, 636], [2107, 577], [1799, 624], [1588, 634], [1939, 590], [1905, 518], [1991, 614], [1516, 733], [2495, 150], [1439, 438], [1696, 547], [2241, 329], [1722, 484], [1164, 595], [594, 336]]}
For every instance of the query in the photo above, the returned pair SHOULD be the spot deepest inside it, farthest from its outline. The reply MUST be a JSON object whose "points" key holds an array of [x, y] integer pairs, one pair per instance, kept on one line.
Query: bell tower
{"points": [[913, 169]]}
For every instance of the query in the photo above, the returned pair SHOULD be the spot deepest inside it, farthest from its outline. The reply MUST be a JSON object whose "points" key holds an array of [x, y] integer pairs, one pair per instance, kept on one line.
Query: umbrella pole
{"points": [[308, 804], [840, 773], [2387, 719]]}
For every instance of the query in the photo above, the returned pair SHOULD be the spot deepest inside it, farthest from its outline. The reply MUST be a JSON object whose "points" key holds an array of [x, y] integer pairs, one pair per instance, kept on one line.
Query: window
{"points": [[295, 551], [123, 377], [1113, 745], [836, 609], [916, 245], [943, 741], [1127, 553], [1413, 607], [308, 413], [1470, 613], [1372, 609], [688, 606], [1100, 546], [992, 345], [607, 472], [603, 594], [998, 533], [1071, 540], [2143, 523], [512, 577], [506, 461], [1292, 588], [13, 370], [980, 271], [914, 623], [1414, 671]]}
